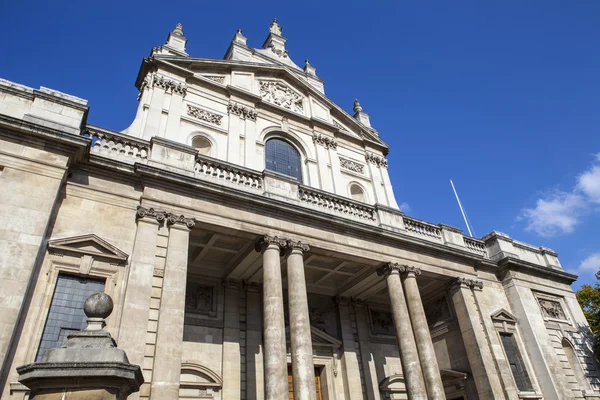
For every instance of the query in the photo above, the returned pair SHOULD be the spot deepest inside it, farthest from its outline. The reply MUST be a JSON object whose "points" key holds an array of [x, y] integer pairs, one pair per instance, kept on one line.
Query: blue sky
{"points": [[502, 97]]}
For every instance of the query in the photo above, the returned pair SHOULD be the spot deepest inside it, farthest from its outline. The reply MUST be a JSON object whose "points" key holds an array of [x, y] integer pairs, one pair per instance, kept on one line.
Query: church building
{"points": [[246, 228]]}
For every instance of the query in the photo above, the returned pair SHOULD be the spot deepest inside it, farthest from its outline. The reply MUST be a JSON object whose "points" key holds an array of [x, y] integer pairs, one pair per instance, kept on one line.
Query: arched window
{"points": [[202, 144], [357, 193], [282, 157]]}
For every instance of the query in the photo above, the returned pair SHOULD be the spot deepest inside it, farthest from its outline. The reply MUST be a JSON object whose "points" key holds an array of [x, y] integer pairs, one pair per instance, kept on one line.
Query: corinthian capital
{"points": [[390, 268], [173, 219], [467, 283], [292, 245], [143, 212], [267, 240], [410, 270]]}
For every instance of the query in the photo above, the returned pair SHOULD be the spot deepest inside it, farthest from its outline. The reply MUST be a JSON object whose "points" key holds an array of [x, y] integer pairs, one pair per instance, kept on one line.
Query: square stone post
{"points": [[300, 339], [409, 356], [349, 358], [136, 304], [231, 341], [275, 363], [431, 371], [480, 356], [167, 368]]}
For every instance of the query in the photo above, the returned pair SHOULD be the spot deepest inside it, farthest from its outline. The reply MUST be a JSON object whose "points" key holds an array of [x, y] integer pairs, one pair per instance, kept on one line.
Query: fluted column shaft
{"points": [[300, 338], [276, 386], [409, 356], [431, 371]]}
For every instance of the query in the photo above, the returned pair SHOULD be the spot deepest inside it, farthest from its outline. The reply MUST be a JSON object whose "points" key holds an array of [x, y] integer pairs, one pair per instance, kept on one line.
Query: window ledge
{"points": [[530, 395]]}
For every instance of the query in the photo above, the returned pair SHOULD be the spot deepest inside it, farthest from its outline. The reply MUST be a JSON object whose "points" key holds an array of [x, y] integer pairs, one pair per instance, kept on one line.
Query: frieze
{"points": [[214, 78], [242, 111], [375, 159], [169, 86], [552, 309], [281, 95], [351, 165], [325, 141], [204, 115]]}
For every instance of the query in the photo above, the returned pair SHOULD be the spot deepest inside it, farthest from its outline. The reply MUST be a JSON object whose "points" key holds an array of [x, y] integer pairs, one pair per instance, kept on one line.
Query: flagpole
{"points": [[461, 208]]}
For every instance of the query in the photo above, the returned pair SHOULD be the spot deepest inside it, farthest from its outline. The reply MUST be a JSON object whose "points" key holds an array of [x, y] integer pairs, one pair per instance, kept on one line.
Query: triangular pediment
{"points": [[504, 316], [90, 245], [213, 69], [319, 338]]}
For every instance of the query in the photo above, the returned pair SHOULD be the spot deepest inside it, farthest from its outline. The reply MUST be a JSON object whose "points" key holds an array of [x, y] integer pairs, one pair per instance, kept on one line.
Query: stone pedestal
{"points": [[88, 366]]}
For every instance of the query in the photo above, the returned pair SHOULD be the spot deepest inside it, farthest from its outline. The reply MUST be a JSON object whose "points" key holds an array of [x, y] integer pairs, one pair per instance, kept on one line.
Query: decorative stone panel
{"points": [[551, 308], [204, 115], [352, 165], [282, 95], [382, 322], [201, 299]]}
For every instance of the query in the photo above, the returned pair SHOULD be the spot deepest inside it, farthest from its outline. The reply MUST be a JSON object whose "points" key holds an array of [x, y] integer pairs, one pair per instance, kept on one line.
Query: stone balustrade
{"points": [[475, 245], [118, 145], [422, 229], [227, 173], [339, 205]]}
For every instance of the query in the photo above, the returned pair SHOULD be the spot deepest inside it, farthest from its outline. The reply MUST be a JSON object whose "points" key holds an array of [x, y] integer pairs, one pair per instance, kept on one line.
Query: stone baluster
{"points": [[431, 371], [300, 338], [275, 364], [165, 376], [409, 356]]}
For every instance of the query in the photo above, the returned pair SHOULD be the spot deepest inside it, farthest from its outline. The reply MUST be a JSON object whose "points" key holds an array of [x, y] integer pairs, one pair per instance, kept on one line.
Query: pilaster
{"points": [[322, 145], [483, 369], [364, 342], [233, 138], [231, 341], [352, 379], [165, 375], [255, 384], [375, 163]]}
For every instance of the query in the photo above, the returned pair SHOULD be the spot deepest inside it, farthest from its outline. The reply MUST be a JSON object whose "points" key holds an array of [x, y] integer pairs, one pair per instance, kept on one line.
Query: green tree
{"points": [[589, 299]]}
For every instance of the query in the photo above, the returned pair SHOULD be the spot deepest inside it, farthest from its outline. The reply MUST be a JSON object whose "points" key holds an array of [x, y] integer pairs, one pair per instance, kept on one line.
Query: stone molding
{"points": [[325, 141], [215, 78], [467, 283], [395, 268], [375, 159], [242, 111], [352, 165], [204, 115], [168, 85], [162, 216]]}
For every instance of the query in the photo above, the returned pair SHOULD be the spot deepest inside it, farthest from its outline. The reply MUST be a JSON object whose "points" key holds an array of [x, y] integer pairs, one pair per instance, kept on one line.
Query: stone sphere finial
{"points": [[357, 106], [98, 305]]}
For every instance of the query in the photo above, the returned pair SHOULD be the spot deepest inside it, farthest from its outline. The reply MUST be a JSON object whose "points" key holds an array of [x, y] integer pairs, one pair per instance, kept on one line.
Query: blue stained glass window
{"points": [[282, 157], [66, 310]]}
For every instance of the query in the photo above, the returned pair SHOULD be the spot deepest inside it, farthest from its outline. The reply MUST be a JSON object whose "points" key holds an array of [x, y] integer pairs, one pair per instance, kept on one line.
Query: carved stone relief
{"points": [[204, 115], [322, 314], [281, 95], [552, 309], [200, 298], [375, 159], [351, 165], [168, 85], [243, 111], [437, 313], [325, 141], [382, 322]]}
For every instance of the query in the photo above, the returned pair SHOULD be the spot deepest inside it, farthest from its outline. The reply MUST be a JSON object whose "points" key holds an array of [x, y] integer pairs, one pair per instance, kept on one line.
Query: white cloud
{"points": [[589, 183], [590, 263], [404, 207], [557, 213]]}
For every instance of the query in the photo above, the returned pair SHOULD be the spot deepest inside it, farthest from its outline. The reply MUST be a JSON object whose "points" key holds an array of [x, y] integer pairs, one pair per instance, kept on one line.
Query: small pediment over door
{"points": [[88, 246]]}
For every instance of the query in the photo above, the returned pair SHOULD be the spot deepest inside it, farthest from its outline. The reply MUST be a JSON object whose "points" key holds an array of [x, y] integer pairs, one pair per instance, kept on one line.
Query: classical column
{"points": [[481, 360], [431, 371], [300, 340], [167, 367], [275, 364], [409, 356]]}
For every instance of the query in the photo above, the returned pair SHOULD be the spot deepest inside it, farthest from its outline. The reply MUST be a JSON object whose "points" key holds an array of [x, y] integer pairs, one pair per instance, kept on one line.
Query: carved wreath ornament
{"points": [[281, 95]]}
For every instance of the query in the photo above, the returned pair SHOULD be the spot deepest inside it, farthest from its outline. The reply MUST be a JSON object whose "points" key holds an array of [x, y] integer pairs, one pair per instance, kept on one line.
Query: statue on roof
{"points": [[275, 27]]}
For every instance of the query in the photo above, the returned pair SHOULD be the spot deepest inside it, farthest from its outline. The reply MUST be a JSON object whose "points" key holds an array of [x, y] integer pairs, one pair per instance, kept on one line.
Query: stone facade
{"points": [[232, 280]]}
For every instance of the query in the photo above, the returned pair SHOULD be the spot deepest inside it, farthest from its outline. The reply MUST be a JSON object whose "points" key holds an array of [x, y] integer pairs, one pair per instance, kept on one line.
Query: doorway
{"points": [[317, 383]]}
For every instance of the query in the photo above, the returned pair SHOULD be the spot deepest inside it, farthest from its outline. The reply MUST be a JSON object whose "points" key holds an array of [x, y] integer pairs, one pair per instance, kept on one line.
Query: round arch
{"points": [[293, 138], [204, 143], [358, 192]]}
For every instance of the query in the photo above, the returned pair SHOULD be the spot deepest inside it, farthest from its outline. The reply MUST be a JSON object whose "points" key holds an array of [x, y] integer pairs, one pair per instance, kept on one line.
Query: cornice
{"points": [[514, 264]]}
